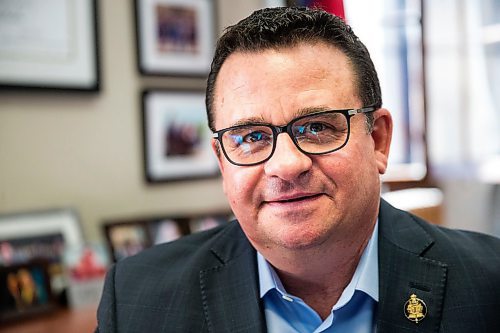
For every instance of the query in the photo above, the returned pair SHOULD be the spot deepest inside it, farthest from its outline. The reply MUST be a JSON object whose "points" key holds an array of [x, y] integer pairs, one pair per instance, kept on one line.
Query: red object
{"points": [[88, 267], [335, 7]]}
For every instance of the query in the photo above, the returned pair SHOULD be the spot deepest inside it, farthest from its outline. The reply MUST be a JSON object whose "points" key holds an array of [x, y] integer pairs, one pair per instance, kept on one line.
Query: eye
{"points": [[248, 137], [254, 137], [322, 126], [315, 128]]}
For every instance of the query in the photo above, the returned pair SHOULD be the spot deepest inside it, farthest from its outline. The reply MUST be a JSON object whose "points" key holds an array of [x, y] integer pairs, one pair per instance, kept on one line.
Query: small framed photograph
{"points": [[175, 37], [24, 291], [50, 44], [127, 239], [44, 235], [206, 222], [167, 230], [176, 136]]}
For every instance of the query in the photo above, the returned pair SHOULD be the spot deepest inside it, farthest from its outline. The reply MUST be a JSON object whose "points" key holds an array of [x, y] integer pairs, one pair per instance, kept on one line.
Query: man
{"points": [[301, 138]]}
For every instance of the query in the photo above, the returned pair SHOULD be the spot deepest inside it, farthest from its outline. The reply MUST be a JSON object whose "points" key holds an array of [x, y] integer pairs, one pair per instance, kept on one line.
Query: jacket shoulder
{"points": [[412, 233], [461, 244], [160, 286]]}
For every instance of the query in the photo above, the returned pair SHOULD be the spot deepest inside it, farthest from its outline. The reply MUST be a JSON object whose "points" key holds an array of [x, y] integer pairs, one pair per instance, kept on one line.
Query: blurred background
{"points": [[102, 121], [439, 64]]}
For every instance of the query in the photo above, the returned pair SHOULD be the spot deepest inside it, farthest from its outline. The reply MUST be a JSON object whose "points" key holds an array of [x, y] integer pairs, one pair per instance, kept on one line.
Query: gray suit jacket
{"points": [[207, 282]]}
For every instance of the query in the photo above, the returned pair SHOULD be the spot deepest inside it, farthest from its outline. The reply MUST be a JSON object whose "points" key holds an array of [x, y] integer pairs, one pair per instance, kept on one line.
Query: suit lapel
{"points": [[230, 287], [404, 270], [230, 293]]}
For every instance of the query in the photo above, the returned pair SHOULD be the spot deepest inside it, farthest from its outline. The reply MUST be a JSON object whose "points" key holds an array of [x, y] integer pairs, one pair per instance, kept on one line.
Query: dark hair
{"points": [[275, 28]]}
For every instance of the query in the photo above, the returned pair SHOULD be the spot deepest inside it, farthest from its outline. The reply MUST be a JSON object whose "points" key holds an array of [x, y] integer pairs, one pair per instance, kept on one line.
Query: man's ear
{"points": [[218, 153], [382, 135]]}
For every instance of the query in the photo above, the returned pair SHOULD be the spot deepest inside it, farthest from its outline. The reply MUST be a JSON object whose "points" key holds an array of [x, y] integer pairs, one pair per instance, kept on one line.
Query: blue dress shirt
{"points": [[354, 312]]}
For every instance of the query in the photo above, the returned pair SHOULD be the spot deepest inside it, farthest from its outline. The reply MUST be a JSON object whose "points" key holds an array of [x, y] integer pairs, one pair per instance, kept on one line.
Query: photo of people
{"points": [[175, 37], [176, 137], [183, 136], [23, 288], [127, 240], [207, 222], [164, 231], [177, 29], [49, 248]]}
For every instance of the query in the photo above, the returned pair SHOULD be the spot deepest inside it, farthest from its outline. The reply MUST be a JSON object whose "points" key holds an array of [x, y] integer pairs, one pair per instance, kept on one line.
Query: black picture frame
{"points": [[175, 37], [41, 236], [54, 46], [176, 138], [25, 291]]}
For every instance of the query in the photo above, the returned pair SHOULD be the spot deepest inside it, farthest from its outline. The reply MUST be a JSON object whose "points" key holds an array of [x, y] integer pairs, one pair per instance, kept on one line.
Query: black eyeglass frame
{"points": [[348, 113]]}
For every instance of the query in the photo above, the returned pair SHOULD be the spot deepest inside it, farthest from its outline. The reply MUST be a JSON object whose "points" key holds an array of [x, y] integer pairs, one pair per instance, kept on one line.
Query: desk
{"points": [[81, 320], [426, 203]]}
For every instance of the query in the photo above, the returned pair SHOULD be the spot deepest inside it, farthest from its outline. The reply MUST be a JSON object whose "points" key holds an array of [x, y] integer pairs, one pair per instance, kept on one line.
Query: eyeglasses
{"points": [[316, 134]]}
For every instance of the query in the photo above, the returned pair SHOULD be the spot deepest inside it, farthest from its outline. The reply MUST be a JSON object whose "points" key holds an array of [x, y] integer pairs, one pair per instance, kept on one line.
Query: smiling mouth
{"points": [[297, 199]]}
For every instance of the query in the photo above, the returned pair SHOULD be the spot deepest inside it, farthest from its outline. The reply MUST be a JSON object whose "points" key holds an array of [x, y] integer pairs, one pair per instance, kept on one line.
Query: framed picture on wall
{"points": [[175, 37], [177, 140], [49, 44]]}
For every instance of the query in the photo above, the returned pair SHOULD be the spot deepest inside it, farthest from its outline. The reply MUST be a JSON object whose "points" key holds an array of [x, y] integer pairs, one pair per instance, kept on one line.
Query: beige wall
{"points": [[85, 150]]}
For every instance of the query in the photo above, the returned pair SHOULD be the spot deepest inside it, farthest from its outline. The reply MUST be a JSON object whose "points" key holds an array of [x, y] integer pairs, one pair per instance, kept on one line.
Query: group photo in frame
{"points": [[50, 44], [177, 140], [175, 37]]}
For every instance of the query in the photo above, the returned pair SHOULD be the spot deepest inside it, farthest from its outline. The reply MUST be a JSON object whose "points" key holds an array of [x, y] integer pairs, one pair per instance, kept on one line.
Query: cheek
{"points": [[239, 185], [351, 168], [364, 172], [337, 166]]}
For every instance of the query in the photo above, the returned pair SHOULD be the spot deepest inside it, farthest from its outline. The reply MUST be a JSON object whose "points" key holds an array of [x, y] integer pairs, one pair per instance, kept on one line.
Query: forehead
{"points": [[276, 85]]}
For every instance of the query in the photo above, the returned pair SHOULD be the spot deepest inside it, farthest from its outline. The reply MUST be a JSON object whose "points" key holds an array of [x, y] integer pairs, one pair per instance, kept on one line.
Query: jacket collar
{"points": [[229, 289], [404, 270]]}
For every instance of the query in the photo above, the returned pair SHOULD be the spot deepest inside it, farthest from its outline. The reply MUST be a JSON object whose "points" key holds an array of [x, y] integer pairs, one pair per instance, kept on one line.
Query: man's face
{"points": [[293, 200]]}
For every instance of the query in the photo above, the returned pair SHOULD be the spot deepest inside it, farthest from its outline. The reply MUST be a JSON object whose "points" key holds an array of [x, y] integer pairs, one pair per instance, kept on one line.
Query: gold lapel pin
{"points": [[415, 309]]}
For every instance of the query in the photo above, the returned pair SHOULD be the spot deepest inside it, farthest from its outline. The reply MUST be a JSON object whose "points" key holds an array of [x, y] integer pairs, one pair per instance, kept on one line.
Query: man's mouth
{"points": [[294, 198]]}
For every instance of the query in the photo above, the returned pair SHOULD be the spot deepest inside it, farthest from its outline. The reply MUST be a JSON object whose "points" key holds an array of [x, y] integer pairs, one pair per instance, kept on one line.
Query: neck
{"points": [[319, 275]]}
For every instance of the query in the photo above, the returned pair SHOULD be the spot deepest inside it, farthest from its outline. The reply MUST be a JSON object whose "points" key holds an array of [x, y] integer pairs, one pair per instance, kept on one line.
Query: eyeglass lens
{"points": [[314, 134]]}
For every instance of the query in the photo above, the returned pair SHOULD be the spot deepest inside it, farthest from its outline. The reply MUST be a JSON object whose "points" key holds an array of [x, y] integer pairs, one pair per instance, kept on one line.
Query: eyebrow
{"points": [[250, 121], [297, 114], [309, 110]]}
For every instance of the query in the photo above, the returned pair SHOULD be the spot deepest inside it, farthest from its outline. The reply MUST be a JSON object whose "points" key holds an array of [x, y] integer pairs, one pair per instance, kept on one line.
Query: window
{"points": [[392, 32]]}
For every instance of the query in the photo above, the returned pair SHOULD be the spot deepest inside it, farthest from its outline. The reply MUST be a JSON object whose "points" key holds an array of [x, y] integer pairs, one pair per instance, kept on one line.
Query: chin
{"points": [[300, 239]]}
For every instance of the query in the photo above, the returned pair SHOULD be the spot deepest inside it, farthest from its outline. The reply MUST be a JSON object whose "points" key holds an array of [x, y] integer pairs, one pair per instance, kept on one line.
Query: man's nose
{"points": [[287, 162]]}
